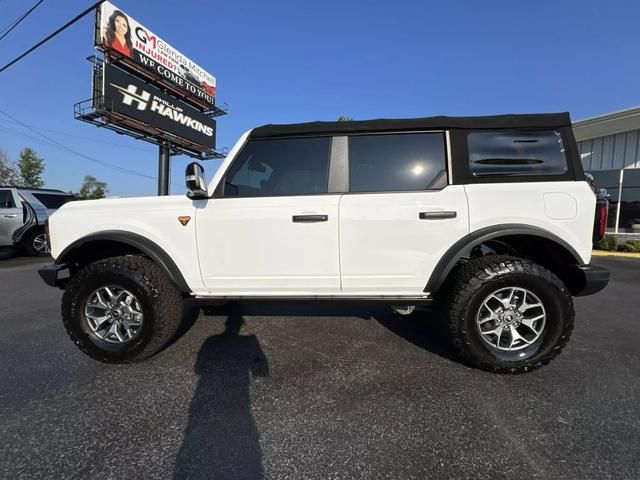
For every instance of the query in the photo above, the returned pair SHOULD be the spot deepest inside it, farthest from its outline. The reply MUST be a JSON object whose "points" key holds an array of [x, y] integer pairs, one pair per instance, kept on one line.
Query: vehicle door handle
{"points": [[309, 218], [14, 215], [437, 215]]}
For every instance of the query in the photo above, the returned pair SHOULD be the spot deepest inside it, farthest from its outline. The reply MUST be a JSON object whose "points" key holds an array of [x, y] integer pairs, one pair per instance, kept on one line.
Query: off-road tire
{"points": [[160, 301], [28, 244], [469, 285]]}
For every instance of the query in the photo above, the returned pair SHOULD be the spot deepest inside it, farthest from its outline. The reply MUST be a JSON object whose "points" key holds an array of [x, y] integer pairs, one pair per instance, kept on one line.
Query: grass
{"points": [[604, 253]]}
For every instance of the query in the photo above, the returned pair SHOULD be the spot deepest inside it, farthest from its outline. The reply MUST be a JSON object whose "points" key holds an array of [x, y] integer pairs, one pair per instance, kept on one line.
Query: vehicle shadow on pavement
{"points": [[7, 253], [425, 329], [221, 439]]}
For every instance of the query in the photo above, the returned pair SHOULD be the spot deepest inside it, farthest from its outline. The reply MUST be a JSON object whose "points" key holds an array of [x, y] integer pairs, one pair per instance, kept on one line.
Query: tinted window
{"points": [[516, 152], [6, 199], [395, 162], [630, 202], [51, 200], [286, 166]]}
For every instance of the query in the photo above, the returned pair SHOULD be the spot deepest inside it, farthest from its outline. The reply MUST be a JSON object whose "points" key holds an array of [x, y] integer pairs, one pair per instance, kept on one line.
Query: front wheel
{"points": [[508, 315], [121, 309]]}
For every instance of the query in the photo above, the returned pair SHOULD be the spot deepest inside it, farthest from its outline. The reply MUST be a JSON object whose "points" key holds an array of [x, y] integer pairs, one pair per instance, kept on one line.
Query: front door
{"points": [[10, 216], [273, 228]]}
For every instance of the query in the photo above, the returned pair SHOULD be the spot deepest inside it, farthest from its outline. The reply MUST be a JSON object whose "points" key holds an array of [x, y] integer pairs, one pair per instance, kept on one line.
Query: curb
{"points": [[604, 253]]}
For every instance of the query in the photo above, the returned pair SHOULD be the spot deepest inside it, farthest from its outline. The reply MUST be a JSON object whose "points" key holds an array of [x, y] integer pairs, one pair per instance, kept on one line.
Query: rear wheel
{"points": [[35, 244], [121, 309], [507, 314]]}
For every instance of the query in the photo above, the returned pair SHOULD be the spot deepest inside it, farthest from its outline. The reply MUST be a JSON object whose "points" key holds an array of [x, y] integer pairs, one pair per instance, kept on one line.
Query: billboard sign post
{"points": [[145, 88]]}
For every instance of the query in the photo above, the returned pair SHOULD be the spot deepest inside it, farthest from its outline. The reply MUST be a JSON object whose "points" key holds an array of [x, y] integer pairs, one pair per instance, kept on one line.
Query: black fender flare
{"points": [[463, 247], [139, 242]]}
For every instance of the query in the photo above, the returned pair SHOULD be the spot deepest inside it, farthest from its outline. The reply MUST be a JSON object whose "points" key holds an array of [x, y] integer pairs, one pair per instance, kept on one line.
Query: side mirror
{"points": [[194, 178]]}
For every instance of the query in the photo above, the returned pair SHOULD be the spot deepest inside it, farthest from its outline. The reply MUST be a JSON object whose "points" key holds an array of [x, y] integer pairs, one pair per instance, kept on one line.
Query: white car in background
{"points": [[23, 213]]}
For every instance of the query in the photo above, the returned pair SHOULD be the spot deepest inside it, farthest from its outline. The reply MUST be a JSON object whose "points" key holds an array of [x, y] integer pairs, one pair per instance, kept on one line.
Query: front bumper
{"points": [[589, 279], [54, 275]]}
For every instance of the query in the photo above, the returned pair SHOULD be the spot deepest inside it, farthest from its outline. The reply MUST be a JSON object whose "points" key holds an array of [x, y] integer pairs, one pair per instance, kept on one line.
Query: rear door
{"points": [[10, 215], [400, 215], [273, 228]]}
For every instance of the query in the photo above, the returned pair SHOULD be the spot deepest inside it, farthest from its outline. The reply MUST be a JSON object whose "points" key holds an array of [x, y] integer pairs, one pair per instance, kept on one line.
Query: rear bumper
{"points": [[589, 279], [54, 275]]}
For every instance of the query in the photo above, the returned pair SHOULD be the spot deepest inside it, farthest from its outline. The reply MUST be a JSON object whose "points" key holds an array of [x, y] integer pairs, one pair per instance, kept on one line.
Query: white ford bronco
{"points": [[490, 217]]}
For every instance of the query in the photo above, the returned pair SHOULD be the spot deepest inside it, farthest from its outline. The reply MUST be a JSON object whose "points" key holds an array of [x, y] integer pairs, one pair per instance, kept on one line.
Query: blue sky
{"points": [[291, 61]]}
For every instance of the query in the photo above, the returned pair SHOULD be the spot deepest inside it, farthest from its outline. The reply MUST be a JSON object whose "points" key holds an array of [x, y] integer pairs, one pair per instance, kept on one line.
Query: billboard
{"points": [[143, 107], [128, 43]]}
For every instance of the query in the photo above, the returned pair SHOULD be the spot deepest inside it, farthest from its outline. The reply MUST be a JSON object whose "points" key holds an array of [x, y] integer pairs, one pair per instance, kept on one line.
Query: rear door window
{"points": [[396, 162], [516, 153]]}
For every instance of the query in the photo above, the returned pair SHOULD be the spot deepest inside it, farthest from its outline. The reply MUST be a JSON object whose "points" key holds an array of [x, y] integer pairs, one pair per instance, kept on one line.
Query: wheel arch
{"points": [[101, 245], [528, 241]]}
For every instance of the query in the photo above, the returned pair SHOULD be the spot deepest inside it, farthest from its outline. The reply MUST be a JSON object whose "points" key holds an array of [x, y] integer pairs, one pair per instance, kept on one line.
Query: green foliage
{"points": [[343, 118], [8, 172], [30, 168], [92, 188], [632, 246], [608, 243]]}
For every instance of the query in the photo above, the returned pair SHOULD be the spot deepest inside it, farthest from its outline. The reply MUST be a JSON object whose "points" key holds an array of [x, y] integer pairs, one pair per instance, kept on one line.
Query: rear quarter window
{"points": [[51, 200], [516, 153]]}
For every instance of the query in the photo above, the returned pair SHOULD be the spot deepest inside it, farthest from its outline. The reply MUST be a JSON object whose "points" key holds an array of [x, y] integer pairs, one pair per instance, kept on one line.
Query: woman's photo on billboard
{"points": [[117, 34]]}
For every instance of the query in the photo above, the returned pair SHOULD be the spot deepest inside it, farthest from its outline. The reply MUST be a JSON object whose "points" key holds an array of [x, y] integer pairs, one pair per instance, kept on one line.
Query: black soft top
{"points": [[533, 120]]}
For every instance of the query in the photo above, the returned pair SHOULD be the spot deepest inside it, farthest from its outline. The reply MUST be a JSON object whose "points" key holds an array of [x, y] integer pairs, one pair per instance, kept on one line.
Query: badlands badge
{"points": [[184, 220]]}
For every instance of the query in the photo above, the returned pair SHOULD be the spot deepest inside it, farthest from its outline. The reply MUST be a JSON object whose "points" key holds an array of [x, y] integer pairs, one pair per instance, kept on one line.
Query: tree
{"points": [[343, 118], [8, 174], [30, 167], [92, 188]]}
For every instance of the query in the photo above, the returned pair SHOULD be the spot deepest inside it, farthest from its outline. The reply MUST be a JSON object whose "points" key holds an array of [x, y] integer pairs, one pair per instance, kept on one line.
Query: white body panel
{"points": [[550, 206], [251, 246], [155, 218], [372, 244], [386, 249]]}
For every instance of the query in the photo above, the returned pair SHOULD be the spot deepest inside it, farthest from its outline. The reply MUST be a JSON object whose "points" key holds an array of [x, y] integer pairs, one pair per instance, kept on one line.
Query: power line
{"points": [[17, 22], [88, 139], [50, 36], [75, 152], [45, 139], [23, 135]]}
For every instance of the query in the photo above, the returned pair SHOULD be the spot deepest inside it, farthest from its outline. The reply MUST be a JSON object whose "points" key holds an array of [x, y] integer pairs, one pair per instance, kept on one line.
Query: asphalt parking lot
{"points": [[316, 393]]}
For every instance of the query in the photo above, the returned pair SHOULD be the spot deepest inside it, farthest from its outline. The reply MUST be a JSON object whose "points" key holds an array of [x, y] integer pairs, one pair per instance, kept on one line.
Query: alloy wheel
{"points": [[40, 244], [511, 319], [113, 314]]}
